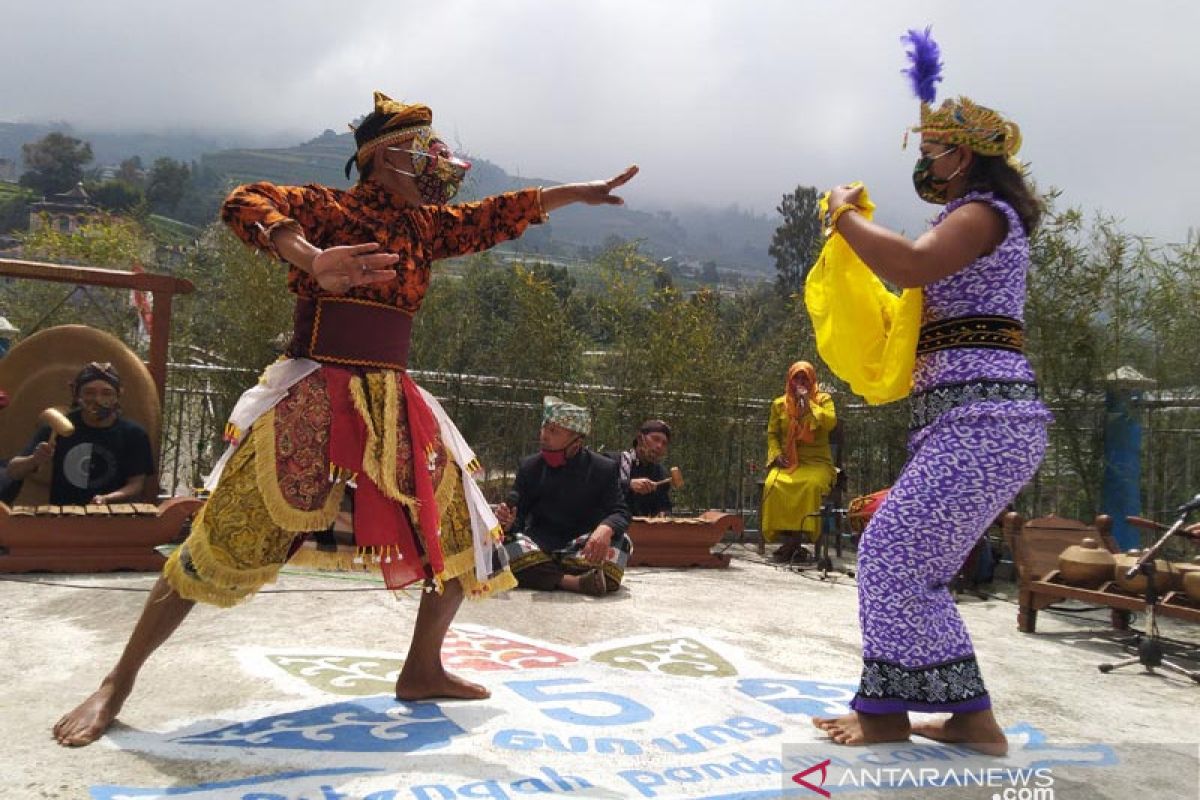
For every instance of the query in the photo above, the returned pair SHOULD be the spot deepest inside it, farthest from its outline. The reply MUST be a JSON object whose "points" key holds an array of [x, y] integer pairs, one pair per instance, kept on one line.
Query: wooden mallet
{"points": [[676, 479], [58, 423]]}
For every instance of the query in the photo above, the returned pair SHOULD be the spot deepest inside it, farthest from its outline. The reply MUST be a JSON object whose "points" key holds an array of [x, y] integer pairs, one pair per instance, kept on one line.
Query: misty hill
{"points": [[731, 237], [113, 148]]}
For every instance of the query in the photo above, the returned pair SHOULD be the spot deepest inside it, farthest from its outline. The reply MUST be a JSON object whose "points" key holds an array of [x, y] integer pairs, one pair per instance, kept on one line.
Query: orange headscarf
{"points": [[799, 429]]}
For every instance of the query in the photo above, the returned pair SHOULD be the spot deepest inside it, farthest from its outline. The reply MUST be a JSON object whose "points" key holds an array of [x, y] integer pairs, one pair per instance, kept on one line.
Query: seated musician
{"points": [[566, 518], [107, 458], [644, 479]]}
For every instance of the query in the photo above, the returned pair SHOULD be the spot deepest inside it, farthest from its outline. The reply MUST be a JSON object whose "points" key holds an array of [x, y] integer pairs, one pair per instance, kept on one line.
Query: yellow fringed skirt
{"points": [[245, 532]]}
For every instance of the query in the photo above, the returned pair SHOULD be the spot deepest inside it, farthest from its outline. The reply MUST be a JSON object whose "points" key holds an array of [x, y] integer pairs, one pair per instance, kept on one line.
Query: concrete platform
{"points": [[687, 684]]}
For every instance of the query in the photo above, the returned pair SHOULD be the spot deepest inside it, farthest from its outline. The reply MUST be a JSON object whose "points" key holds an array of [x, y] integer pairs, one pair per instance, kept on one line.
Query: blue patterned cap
{"points": [[559, 412]]}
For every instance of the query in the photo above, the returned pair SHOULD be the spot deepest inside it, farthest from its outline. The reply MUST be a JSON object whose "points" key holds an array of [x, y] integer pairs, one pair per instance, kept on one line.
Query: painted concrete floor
{"points": [[686, 684]]}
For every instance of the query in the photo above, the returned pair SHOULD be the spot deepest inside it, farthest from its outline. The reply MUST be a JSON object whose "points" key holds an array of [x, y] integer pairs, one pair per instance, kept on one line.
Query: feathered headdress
{"points": [[926, 70], [959, 120]]}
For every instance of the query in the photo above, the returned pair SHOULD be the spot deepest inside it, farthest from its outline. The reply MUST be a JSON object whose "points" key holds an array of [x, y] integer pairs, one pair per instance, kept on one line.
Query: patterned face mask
{"points": [[929, 187], [438, 175]]}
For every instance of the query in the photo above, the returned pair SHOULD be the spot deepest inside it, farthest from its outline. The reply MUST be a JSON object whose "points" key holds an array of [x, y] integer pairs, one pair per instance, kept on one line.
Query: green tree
{"points": [[132, 172], [55, 163], [117, 196], [14, 211], [797, 241], [166, 184], [102, 242]]}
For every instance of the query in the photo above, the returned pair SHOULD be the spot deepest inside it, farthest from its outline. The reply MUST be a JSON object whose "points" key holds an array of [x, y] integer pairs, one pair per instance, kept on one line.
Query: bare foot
{"points": [[977, 730], [91, 718], [825, 723], [443, 685], [860, 729]]}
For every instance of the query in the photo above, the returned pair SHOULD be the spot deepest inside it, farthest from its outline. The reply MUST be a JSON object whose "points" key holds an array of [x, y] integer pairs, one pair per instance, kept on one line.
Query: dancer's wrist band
{"points": [[835, 215]]}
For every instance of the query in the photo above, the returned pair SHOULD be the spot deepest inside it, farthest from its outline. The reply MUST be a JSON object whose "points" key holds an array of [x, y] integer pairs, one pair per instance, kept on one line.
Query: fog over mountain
{"points": [[721, 103]]}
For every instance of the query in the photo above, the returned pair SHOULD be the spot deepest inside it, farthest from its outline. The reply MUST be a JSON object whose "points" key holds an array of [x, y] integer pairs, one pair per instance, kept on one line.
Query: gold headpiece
{"points": [[963, 121], [389, 123]]}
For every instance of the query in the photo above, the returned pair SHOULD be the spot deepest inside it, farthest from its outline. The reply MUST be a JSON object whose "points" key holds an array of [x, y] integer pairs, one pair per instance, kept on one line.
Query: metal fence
{"points": [[718, 442]]}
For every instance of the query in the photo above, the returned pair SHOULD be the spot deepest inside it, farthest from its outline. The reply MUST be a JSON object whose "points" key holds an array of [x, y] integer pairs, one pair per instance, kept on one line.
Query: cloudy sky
{"points": [[719, 101]]}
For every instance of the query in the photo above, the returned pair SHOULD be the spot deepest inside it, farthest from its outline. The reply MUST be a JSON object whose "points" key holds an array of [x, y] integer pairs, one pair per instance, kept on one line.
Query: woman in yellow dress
{"points": [[800, 465]]}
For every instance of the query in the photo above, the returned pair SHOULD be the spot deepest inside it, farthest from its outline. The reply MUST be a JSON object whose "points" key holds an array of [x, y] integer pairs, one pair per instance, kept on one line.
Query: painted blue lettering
{"points": [[490, 789], [514, 739], [564, 782], [754, 727], [719, 734], [423, 792], [745, 765], [810, 698], [934, 753], [875, 759], [625, 711], [535, 786], [606, 744], [684, 774], [645, 782], [718, 771], [688, 744], [575, 744]]}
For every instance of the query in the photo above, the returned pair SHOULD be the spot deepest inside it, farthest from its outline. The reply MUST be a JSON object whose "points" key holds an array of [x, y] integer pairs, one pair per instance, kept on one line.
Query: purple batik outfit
{"points": [[978, 435]]}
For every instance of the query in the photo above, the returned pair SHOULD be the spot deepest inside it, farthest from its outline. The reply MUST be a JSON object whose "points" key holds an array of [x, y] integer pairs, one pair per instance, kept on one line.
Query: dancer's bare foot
{"points": [[861, 729], [977, 730], [443, 685], [91, 718], [825, 723]]}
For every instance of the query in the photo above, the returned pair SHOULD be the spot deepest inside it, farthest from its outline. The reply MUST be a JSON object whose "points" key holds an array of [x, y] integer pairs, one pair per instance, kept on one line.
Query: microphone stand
{"points": [[1149, 646]]}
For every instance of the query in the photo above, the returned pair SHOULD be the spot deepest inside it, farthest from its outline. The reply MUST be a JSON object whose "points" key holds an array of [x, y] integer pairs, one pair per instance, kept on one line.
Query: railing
{"points": [[717, 442]]}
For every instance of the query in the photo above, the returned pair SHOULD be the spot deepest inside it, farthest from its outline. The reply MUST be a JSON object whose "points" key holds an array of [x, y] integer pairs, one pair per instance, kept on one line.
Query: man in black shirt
{"points": [[565, 519], [107, 458], [644, 479]]}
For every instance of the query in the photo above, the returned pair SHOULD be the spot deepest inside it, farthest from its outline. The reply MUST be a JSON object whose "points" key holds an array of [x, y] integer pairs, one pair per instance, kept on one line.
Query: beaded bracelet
{"points": [[832, 218]]}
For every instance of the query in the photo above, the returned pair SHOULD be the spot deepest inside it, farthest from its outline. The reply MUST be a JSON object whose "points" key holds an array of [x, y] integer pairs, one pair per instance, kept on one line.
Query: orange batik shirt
{"points": [[368, 213]]}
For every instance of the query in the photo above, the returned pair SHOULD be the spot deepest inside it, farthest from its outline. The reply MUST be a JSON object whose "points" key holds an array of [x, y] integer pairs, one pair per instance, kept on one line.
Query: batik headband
{"points": [[95, 371], [556, 411]]}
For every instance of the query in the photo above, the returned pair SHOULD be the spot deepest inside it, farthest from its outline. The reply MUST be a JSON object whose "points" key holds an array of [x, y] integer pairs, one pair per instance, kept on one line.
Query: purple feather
{"points": [[926, 69]]}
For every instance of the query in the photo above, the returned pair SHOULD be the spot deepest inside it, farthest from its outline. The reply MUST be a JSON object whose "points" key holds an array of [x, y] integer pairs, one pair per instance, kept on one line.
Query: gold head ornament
{"points": [[389, 123], [962, 121]]}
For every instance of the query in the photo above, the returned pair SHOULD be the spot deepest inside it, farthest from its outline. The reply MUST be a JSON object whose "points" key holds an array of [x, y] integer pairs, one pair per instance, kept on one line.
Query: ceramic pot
{"points": [[1137, 584], [1086, 564]]}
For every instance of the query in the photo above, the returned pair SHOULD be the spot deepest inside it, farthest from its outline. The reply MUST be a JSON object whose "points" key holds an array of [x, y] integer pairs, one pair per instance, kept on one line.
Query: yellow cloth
{"points": [[866, 335], [791, 498]]}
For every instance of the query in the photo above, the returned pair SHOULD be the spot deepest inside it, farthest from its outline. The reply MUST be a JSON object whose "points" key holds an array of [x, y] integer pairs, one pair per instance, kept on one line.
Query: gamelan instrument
{"points": [[99, 538]]}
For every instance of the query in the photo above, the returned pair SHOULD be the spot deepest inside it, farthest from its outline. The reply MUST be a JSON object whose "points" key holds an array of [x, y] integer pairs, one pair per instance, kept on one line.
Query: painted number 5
{"points": [[574, 706]]}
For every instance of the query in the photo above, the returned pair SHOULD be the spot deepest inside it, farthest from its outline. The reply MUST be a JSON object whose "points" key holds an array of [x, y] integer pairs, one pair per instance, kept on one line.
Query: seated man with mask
{"points": [[107, 458], [565, 519]]}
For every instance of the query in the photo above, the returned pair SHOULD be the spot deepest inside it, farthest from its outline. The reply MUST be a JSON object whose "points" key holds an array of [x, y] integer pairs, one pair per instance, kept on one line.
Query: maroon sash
{"points": [[352, 332]]}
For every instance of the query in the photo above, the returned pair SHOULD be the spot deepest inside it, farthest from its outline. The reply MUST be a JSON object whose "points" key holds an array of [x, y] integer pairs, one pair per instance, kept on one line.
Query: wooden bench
{"points": [[90, 538], [1036, 545]]}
